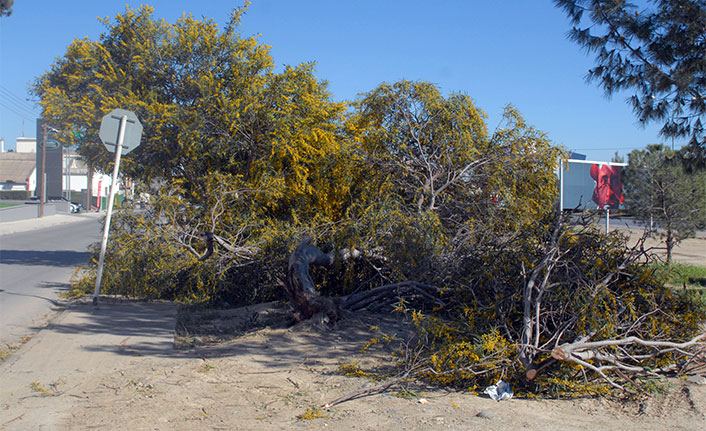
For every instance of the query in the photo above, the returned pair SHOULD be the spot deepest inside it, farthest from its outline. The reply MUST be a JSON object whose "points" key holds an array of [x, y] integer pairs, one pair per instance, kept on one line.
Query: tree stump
{"points": [[300, 287]]}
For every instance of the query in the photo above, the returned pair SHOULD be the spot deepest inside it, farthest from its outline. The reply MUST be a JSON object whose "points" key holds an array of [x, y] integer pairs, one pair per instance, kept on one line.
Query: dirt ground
{"points": [[691, 251], [269, 379], [224, 375]]}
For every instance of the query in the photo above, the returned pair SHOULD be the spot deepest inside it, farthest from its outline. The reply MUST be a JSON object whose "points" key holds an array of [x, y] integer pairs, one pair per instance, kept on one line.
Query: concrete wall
{"points": [[26, 145], [28, 211]]}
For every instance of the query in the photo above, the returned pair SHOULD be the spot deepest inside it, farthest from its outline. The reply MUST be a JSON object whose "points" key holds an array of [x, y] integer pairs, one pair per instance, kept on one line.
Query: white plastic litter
{"points": [[499, 391]]}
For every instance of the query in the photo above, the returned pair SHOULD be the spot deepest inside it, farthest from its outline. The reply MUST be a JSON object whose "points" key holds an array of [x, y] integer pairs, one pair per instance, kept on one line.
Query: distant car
{"points": [[75, 206]]}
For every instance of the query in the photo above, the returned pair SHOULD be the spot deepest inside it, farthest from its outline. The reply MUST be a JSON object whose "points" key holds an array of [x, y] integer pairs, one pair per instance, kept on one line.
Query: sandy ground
{"points": [[224, 376], [690, 251], [269, 378]]}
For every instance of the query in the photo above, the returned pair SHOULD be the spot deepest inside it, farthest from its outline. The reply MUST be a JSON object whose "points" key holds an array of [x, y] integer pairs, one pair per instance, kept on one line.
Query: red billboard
{"points": [[588, 184]]}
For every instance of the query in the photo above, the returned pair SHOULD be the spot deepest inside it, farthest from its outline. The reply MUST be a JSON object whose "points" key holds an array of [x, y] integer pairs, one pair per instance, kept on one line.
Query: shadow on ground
{"points": [[136, 328], [63, 258]]}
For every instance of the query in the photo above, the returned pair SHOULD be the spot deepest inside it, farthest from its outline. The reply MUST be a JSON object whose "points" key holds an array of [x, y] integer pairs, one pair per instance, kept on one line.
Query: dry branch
{"points": [[364, 392], [405, 289], [582, 351], [588, 350]]}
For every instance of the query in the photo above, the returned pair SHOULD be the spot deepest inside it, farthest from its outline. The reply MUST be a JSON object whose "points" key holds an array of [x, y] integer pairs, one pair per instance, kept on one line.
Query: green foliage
{"points": [[150, 255], [6, 7], [435, 154], [252, 155], [35, 386], [141, 262], [677, 274], [209, 102], [426, 144], [312, 413], [353, 370], [260, 158]]}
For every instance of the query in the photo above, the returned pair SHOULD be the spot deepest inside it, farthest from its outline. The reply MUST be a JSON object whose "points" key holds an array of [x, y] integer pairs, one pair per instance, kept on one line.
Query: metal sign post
{"points": [[107, 134], [44, 170], [561, 185]]}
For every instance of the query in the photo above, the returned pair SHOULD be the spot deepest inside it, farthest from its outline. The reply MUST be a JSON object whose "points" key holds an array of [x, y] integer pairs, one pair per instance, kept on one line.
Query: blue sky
{"points": [[498, 52]]}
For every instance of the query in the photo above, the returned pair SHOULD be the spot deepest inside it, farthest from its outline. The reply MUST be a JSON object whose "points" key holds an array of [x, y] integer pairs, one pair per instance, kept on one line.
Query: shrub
{"points": [[18, 195]]}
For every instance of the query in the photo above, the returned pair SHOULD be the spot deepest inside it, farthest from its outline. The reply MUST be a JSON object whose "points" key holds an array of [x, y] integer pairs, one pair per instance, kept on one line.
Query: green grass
{"points": [[678, 274], [6, 205]]}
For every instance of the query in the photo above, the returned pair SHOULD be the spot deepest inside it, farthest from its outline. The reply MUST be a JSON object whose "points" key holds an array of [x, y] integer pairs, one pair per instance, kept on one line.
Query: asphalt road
{"points": [[35, 266]]}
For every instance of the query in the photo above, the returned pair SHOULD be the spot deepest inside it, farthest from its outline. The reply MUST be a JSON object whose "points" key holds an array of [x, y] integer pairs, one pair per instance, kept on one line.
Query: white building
{"points": [[18, 171], [26, 145]]}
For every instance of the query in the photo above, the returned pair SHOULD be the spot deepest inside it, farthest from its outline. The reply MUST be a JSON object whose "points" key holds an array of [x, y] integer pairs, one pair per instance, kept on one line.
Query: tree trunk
{"points": [[300, 287], [670, 244]]}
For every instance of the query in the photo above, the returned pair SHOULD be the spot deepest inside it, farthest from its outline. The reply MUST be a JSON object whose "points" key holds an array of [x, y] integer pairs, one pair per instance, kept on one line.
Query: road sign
{"points": [[120, 132], [52, 144], [110, 128]]}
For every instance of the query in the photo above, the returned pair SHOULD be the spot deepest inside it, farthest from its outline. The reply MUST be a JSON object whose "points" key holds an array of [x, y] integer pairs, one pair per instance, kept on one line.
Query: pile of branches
{"points": [[576, 306], [589, 302]]}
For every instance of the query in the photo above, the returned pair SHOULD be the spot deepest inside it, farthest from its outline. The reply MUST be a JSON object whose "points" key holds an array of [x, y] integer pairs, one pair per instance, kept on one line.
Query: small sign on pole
{"points": [[120, 132]]}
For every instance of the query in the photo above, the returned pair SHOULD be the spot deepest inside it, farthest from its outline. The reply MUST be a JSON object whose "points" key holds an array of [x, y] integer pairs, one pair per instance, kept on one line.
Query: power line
{"points": [[9, 104], [14, 110], [12, 98], [12, 94], [17, 101]]}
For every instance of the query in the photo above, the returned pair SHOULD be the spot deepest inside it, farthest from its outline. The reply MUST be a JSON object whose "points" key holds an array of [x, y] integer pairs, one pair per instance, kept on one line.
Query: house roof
{"points": [[16, 167]]}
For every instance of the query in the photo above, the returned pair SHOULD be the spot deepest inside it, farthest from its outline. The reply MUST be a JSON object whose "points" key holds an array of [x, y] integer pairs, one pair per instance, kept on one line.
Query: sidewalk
{"points": [[10, 227], [43, 381]]}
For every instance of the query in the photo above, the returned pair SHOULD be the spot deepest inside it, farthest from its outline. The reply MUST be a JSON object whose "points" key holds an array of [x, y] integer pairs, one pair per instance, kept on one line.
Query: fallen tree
{"points": [[558, 295], [552, 308], [300, 287]]}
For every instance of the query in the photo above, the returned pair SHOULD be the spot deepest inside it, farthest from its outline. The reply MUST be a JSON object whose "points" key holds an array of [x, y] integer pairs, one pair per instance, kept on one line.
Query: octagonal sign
{"points": [[110, 129]]}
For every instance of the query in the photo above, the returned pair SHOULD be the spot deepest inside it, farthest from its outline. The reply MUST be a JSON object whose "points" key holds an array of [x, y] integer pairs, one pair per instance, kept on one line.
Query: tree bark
{"points": [[670, 244], [300, 287]]}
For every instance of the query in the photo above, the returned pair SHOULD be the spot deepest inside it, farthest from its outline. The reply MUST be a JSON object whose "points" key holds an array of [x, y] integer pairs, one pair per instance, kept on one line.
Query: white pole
{"points": [[561, 185], [651, 224], [68, 177], [607, 219], [113, 190], [65, 154]]}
